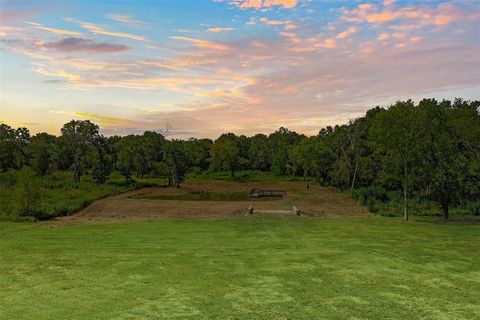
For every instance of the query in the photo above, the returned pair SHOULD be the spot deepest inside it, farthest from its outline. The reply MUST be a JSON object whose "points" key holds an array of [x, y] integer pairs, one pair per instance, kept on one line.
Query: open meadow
{"points": [[168, 253], [240, 268]]}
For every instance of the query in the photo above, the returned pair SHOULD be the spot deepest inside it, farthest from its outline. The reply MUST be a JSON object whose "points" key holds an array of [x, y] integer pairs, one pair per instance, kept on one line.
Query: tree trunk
{"points": [[405, 195], [76, 175], [445, 206], [354, 177], [305, 178]]}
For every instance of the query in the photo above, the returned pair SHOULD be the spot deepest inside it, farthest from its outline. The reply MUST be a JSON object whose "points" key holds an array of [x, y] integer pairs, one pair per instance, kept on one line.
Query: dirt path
{"points": [[318, 201]]}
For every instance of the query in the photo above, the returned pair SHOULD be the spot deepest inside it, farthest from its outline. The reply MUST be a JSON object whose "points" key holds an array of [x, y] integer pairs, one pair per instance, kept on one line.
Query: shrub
{"points": [[372, 206], [473, 208], [367, 195], [27, 194]]}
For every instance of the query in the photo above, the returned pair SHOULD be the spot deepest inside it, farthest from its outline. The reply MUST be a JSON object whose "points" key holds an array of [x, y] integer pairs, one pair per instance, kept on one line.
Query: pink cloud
{"points": [[347, 33], [441, 15], [258, 4], [96, 29], [85, 45], [300, 77], [218, 29], [10, 16], [54, 30], [204, 44]]}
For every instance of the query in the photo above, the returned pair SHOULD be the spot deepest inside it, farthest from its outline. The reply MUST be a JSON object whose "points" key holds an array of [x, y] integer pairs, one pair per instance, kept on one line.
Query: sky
{"points": [[207, 67]]}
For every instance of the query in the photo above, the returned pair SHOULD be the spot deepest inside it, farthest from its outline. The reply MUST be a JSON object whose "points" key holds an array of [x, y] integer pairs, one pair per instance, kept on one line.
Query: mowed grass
{"points": [[241, 268]]}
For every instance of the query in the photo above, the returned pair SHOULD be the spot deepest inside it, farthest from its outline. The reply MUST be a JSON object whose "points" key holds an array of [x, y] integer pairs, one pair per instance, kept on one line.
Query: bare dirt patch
{"points": [[317, 201]]}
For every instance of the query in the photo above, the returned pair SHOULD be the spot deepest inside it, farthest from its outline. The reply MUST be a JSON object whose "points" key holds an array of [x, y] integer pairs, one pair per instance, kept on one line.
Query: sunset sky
{"points": [[245, 66]]}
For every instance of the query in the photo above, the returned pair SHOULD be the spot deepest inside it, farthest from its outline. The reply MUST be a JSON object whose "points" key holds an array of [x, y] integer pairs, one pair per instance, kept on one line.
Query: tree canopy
{"points": [[429, 151]]}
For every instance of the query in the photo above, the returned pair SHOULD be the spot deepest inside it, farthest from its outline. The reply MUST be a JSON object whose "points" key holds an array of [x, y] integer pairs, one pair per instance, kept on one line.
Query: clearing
{"points": [[126, 263], [231, 199]]}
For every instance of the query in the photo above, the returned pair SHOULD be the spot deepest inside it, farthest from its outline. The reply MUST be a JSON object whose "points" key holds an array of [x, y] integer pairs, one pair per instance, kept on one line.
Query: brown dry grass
{"points": [[318, 201]]}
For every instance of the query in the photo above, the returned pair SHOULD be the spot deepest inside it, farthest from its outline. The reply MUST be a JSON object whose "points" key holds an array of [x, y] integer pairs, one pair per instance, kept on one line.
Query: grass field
{"points": [[240, 268]]}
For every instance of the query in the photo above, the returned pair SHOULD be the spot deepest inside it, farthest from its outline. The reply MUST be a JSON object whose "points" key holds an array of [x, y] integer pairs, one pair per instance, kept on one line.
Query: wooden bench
{"points": [[258, 193]]}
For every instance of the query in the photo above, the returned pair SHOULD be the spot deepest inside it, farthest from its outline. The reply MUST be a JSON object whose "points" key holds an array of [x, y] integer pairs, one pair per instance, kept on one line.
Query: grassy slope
{"points": [[258, 268], [58, 195]]}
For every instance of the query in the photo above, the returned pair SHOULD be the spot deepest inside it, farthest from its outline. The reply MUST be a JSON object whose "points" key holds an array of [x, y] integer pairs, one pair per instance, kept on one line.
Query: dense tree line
{"points": [[429, 151]]}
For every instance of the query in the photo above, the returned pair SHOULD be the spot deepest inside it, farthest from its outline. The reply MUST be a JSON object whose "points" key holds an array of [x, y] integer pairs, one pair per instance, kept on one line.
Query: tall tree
{"points": [[7, 146], [304, 156], [103, 164], [224, 155], [259, 153], [40, 151], [175, 162], [79, 137], [125, 157], [449, 146], [396, 133], [197, 152], [281, 141]]}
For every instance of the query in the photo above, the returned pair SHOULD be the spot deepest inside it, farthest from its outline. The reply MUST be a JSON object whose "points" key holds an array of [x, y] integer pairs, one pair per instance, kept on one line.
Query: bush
{"points": [[372, 206], [473, 208], [27, 194], [367, 195]]}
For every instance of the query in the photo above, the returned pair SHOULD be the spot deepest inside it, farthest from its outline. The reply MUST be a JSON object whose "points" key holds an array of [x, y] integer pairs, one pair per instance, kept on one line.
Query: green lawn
{"points": [[242, 268]]}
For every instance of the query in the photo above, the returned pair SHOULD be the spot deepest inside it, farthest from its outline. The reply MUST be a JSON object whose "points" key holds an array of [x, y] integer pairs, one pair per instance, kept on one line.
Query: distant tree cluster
{"points": [[430, 150]]}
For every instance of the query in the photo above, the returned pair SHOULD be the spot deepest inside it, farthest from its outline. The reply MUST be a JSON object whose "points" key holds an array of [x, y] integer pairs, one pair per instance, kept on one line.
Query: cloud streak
{"points": [[125, 19], [96, 29], [85, 45], [39, 26], [203, 44], [259, 4], [218, 29]]}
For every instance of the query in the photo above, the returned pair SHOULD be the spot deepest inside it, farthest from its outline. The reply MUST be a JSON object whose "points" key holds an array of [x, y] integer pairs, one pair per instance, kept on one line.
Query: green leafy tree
{"points": [[13, 146], [22, 140], [304, 156], [281, 141], [125, 155], [197, 152], [449, 148], [78, 137], [7, 147], [41, 151], [396, 133], [260, 153], [224, 155], [103, 164], [175, 162]]}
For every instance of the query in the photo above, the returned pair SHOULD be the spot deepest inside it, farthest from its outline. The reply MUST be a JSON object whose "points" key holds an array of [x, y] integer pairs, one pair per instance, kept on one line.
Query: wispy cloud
{"points": [[125, 19], [258, 4], [347, 33], [9, 16], [96, 29], [106, 120], [290, 67], [204, 44], [85, 45], [287, 24], [219, 29], [54, 30], [443, 14]]}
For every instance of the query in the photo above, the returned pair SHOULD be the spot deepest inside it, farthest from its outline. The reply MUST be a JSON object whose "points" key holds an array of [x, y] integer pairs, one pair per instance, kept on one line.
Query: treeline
{"points": [[429, 151]]}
